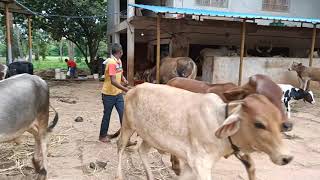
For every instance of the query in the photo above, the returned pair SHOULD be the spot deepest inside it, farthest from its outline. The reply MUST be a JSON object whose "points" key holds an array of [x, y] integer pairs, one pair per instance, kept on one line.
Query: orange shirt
{"points": [[113, 68]]}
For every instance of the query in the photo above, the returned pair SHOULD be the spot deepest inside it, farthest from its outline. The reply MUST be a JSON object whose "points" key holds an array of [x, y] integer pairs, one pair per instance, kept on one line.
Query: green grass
{"points": [[53, 62]]}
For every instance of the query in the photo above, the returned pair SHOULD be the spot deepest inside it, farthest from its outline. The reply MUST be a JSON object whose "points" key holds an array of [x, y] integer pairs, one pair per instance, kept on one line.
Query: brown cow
{"points": [[201, 131], [201, 87], [305, 74], [171, 68]]}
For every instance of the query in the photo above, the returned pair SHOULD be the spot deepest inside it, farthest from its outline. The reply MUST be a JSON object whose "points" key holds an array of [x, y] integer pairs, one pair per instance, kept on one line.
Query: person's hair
{"points": [[116, 48], [66, 60]]}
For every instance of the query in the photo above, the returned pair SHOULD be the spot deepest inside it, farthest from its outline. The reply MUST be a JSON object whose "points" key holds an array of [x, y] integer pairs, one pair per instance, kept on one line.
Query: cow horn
{"points": [[258, 50], [270, 49]]}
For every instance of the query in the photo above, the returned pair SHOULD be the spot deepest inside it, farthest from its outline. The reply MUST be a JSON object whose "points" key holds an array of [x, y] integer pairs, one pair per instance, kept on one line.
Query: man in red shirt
{"points": [[72, 66]]}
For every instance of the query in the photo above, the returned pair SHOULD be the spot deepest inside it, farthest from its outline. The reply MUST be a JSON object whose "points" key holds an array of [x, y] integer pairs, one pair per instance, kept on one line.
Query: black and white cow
{"points": [[291, 94], [24, 106]]}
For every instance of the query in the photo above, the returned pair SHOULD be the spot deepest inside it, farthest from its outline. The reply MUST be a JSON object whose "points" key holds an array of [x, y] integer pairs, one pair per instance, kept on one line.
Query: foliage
{"points": [[86, 33]]}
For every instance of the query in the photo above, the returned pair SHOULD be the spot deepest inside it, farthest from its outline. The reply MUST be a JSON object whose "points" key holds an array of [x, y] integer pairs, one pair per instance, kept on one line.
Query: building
{"points": [[135, 28]]}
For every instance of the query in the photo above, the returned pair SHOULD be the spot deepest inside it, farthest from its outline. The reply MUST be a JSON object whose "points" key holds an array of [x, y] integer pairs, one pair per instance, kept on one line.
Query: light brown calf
{"points": [[197, 132], [305, 74]]}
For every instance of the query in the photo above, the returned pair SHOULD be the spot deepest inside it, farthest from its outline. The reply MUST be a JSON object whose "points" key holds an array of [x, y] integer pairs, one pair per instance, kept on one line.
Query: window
{"points": [[276, 5], [213, 3]]}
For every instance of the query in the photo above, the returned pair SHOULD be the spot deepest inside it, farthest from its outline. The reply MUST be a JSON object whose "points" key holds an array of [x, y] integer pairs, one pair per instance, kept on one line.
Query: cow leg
{"points": [[201, 167], [289, 111], [250, 168], [175, 165], [305, 83], [300, 83], [40, 151], [125, 135], [143, 152], [186, 172]]}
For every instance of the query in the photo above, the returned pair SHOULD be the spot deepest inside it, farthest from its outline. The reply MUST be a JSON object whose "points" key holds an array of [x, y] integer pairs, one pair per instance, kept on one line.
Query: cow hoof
{"points": [[118, 178]]}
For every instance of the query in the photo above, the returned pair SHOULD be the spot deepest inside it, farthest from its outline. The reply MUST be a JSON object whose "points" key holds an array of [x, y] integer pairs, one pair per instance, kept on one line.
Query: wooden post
{"points": [[30, 38], [8, 34], [130, 54], [314, 34], [243, 37], [130, 43], [158, 48]]}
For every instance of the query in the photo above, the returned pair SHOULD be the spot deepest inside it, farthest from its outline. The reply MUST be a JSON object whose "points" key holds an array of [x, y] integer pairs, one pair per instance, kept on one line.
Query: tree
{"points": [[61, 19]]}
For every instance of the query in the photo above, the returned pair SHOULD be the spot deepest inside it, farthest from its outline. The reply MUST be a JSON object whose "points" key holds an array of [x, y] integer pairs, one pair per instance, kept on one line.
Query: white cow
{"points": [[199, 129]]}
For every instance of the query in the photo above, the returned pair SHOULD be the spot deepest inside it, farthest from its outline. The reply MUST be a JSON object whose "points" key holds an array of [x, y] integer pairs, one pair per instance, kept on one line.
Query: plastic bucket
{"points": [[63, 75], [95, 76], [57, 73]]}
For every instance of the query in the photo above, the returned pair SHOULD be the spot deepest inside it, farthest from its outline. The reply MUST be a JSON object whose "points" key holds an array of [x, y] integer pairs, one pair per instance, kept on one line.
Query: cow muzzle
{"points": [[282, 160], [281, 156]]}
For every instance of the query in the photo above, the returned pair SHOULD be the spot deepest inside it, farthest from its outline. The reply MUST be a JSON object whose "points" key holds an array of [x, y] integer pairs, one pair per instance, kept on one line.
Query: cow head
{"points": [[260, 84], [255, 125], [3, 71], [295, 66], [308, 96]]}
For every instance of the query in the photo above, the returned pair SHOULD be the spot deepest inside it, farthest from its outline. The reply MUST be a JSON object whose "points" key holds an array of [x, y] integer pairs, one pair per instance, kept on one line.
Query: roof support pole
{"points": [[130, 54], [30, 38], [243, 37], [130, 43], [158, 48], [8, 34], [313, 42]]}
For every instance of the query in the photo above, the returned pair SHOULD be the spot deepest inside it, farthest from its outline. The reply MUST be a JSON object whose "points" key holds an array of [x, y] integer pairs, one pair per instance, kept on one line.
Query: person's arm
{"points": [[118, 85], [124, 80], [112, 73]]}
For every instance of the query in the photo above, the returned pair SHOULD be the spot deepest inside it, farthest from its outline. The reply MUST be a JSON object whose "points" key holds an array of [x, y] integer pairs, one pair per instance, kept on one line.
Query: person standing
{"points": [[112, 90], [72, 66]]}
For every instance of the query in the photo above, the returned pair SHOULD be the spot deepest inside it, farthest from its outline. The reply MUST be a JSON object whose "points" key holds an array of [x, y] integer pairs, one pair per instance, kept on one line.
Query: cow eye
{"points": [[259, 125]]}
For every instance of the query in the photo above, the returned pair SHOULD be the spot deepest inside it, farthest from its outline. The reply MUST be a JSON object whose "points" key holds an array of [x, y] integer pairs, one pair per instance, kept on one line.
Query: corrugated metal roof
{"points": [[200, 12]]}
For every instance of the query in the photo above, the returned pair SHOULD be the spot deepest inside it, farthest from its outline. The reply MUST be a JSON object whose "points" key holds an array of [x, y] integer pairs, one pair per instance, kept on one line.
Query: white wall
{"points": [[226, 69], [298, 8]]}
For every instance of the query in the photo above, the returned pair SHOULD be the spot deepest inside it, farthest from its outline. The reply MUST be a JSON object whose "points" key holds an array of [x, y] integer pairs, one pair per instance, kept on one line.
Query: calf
{"points": [[171, 68], [201, 87], [24, 106], [201, 131], [305, 74], [3, 71], [290, 94]]}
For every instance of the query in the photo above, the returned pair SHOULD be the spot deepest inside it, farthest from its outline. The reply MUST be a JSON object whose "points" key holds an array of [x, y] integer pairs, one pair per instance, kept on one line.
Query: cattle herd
{"points": [[195, 122]]}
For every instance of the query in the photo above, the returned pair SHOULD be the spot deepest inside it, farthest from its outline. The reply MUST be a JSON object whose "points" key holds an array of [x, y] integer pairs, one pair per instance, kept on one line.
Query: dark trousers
{"points": [[108, 103]]}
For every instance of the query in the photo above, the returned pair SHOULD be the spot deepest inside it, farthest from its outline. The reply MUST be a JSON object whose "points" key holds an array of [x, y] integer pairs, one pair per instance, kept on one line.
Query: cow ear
{"points": [[229, 127], [235, 94]]}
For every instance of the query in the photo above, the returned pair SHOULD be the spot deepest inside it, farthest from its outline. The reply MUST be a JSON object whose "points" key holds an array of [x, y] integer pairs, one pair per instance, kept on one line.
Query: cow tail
{"points": [[55, 120], [193, 74]]}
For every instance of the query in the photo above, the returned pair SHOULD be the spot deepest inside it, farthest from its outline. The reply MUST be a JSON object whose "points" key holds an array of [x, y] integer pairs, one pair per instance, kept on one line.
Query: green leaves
{"points": [[62, 18]]}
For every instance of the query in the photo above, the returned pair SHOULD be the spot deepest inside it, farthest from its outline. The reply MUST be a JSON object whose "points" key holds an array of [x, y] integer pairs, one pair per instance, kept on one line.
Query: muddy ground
{"points": [[74, 152]]}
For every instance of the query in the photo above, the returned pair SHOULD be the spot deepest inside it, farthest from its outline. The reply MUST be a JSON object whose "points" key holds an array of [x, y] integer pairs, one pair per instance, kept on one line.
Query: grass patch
{"points": [[53, 62]]}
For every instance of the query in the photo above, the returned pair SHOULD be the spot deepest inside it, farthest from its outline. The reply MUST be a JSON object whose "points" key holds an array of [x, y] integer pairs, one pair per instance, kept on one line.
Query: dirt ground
{"points": [[74, 152]]}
